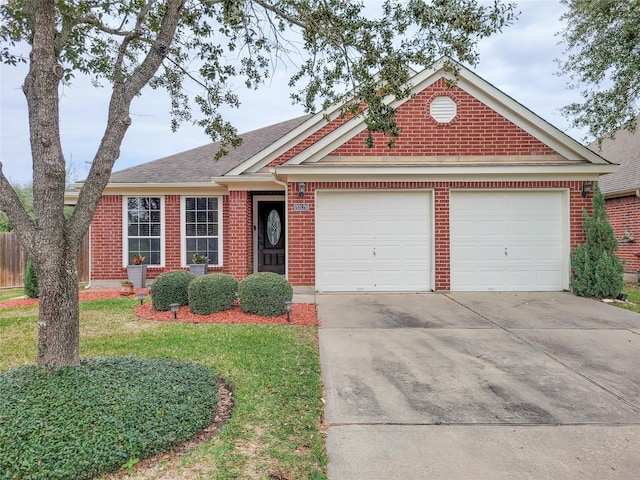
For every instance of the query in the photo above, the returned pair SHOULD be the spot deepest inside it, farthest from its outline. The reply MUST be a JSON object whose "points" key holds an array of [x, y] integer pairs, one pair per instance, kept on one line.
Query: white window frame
{"points": [[183, 229], [125, 229]]}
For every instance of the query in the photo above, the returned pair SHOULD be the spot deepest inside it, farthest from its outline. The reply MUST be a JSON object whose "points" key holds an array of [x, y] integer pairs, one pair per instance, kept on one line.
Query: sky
{"points": [[520, 61]]}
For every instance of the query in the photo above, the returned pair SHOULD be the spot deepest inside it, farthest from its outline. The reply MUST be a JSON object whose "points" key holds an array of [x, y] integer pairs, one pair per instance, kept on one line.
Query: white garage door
{"points": [[373, 241], [508, 241]]}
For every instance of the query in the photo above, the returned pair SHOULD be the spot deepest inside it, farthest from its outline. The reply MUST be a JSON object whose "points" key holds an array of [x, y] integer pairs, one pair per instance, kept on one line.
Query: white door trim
{"points": [[254, 227]]}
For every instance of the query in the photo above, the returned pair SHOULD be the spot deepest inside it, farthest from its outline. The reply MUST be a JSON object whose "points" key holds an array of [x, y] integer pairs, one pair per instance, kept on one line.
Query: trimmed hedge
{"points": [[109, 412], [170, 287], [264, 293], [212, 293]]}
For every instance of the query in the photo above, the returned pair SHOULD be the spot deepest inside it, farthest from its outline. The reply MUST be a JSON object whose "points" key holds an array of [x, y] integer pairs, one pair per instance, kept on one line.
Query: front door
{"points": [[271, 237]]}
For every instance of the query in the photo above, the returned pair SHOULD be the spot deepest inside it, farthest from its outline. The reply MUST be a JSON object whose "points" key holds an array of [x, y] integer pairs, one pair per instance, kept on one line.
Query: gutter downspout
{"points": [[277, 180]]}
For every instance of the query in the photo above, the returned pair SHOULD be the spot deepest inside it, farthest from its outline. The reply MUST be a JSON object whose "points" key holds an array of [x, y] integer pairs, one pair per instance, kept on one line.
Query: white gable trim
{"points": [[353, 127], [478, 88], [284, 144]]}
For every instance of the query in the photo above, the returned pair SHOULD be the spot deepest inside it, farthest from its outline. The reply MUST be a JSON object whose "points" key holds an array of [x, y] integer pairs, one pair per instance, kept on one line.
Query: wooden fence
{"points": [[13, 261]]}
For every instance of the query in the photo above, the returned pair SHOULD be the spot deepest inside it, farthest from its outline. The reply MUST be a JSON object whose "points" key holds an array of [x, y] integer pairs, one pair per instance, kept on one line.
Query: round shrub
{"points": [[212, 293], [264, 293], [170, 287]]}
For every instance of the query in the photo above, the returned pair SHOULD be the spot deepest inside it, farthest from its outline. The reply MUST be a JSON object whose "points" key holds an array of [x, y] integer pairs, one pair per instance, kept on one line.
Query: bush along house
{"points": [[477, 194], [621, 191]]}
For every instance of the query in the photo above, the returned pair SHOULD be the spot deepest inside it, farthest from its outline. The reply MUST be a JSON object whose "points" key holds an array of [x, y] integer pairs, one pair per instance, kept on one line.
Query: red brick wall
{"points": [[301, 227], [475, 130], [239, 236], [624, 216], [107, 239]]}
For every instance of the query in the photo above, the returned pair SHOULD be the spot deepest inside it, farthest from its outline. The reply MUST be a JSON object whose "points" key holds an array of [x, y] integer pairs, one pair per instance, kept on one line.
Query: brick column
{"points": [[238, 242]]}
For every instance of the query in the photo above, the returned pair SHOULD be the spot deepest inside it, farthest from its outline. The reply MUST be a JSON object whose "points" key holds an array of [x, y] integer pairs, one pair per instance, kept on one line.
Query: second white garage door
{"points": [[508, 241], [373, 241]]}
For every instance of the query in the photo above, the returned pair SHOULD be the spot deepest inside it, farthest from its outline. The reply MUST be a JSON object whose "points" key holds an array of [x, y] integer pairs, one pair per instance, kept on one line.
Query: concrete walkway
{"points": [[480, 386]]}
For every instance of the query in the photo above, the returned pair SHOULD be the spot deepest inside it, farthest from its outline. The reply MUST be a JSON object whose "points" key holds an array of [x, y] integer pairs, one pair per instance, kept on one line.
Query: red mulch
{"points": [[301, 314]]}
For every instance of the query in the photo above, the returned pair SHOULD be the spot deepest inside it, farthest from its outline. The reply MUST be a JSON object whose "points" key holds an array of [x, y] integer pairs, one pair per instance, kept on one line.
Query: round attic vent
{"points": [[443, 109]]}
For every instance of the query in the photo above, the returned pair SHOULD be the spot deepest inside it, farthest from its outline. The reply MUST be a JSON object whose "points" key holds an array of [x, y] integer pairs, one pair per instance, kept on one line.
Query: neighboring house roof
{"points": [[198, 164], [623, 148]]}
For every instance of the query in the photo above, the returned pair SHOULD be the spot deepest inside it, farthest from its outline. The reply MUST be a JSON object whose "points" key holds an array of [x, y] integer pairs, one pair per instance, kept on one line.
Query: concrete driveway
{"points": [[480, 386]]}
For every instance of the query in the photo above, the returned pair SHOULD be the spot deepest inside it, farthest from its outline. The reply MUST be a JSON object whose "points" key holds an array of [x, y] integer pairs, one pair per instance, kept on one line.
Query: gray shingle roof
{"points": [[624, 149], [197, 164]]}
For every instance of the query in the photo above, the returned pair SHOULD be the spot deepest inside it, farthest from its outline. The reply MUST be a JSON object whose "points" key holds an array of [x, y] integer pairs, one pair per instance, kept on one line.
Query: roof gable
{"points": [[325, 137]]}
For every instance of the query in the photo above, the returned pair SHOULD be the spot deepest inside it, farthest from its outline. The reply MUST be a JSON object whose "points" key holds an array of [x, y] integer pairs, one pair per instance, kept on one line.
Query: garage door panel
{"points": [[384, 243], [527, 225]]}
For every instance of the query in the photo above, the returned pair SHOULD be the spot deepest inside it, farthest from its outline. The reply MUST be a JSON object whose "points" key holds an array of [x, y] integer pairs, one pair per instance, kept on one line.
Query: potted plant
{"points": [[137, 271], [199, 264], [127, 288]]}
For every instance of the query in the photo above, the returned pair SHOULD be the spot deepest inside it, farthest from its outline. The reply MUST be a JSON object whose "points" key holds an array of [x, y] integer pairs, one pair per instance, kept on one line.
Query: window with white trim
{"points": [[144, 229], [201, 227]]}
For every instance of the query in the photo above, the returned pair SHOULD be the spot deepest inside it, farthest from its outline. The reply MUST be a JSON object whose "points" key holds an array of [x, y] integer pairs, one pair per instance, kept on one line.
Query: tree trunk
{"points": [[58, 322]]}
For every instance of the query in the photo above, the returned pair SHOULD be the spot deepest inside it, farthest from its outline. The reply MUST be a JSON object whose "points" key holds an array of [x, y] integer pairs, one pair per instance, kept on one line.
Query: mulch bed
{"points": [[301, 314]]}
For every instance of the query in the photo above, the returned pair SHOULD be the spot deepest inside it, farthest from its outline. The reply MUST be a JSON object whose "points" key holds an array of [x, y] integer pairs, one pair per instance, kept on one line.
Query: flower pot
{"points": [[127, 289], [198, 268], [138, 275]]}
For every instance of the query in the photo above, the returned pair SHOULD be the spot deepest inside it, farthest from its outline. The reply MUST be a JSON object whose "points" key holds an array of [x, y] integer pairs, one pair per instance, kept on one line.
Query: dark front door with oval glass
{"points": [[271, 237]]}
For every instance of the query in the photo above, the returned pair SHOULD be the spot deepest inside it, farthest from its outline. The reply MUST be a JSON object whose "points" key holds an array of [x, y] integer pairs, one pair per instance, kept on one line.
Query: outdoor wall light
{"points": [[302, 188], [175, 307], [586, 188], [140, 296], [288, 304]]}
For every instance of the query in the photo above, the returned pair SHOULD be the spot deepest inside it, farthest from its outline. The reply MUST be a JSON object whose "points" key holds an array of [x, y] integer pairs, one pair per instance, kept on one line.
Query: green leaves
{"points": [[596, 269], [602, 48], [332, 46], [106, 413]]}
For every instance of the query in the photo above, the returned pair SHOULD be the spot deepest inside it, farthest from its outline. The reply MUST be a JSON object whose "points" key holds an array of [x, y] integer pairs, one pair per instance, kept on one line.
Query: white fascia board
{"points": [[310, 172], [209, 188]]}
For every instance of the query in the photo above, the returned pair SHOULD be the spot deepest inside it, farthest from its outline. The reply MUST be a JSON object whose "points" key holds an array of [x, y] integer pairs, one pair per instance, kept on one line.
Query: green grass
{"points": [[12, 293], [633, 292], [274, 371]]}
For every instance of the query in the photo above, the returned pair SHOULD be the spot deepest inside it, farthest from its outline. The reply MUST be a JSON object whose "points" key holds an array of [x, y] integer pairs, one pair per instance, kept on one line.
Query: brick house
{"points": [[479, 193], [622, 193]]}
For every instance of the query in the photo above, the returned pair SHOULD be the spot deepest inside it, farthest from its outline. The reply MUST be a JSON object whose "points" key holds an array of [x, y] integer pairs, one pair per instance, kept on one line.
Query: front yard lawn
{"points": [[274, 431]]}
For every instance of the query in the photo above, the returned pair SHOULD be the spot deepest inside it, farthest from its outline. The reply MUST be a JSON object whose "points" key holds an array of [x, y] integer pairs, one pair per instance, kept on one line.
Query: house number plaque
{"points": [[300, 207]]}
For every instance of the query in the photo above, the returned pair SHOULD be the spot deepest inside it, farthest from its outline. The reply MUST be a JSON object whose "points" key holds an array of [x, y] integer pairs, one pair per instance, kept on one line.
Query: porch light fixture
{"points": [[586, 188], [140, 296], [288, 304], [302, 188], [175, 307]]}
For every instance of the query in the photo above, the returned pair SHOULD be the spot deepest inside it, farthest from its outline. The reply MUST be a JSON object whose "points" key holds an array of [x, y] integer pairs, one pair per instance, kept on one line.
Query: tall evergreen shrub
{"points": [[30, 281], [596, 269]]}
